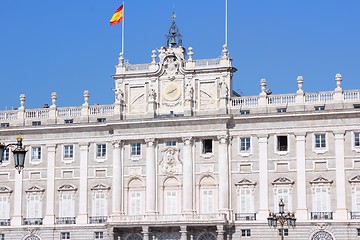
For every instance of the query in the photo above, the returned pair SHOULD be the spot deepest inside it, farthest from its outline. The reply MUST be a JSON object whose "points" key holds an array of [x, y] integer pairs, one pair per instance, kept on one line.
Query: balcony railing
{"points": [[355, 215], [321, 215], [65, 220], [4, 222], [98, 219], [245, 216], [32, 221]]}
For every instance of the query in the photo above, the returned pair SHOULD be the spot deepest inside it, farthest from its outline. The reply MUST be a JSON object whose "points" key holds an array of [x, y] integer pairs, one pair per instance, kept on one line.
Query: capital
{"points": [[187, 140], [223, 138], [150, 141], [116, 143]]}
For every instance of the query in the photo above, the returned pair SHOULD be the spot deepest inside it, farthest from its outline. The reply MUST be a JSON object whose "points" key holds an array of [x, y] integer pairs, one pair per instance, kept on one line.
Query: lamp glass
{"points": [[19, 158], [2, 151]]}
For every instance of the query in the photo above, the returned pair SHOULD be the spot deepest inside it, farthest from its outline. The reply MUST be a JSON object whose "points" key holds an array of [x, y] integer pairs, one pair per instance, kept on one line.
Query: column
{"points": [[188, 185], [145, 232], [183, 232], [223, 174], [263, 178], [301, 212], [341, 211], [82, 217], [49, 218], [117, 179], [16, 220], [150, 176], [220, 232]]}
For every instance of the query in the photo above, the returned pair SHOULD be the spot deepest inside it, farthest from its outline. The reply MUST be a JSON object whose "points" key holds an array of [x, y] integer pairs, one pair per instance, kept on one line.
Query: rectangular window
{"points": [[284, 194], [358, 232], [171, 202], [245, 144], [5, 125], [4, 207], [207, 146], [286, 232], [67, 208], [68, 121], [99, 204], [34, 206], [207, 201], [245, 232], [246, 200], [321, 201], [99, 235], [101, 120], [65, 235], [36, 123], [35, 153], [320, 140], [357, 199], [2, 236], [319, 108], [100, 150], [135, 203], [282, 143], [244, 112], [6, 156], [135, 149], [357, 139], [171, 143], [281, 110], [68, 151]]}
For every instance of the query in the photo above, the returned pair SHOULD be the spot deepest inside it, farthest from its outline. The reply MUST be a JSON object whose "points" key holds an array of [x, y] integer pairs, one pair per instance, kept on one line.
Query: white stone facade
{"points": [[180, 156]]}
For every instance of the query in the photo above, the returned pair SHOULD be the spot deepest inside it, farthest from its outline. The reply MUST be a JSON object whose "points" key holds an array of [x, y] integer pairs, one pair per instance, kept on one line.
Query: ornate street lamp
{"points": [[282, 218], [19, 153]]}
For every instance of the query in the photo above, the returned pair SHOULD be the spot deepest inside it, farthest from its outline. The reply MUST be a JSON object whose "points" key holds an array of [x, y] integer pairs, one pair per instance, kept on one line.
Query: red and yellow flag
{"points": [[117, 16]]}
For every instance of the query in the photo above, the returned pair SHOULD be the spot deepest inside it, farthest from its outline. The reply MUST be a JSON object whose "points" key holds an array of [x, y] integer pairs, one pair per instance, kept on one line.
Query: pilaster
{"points": [[49, 218], [263, 177], [116, 179], [82, 217], [223, 174], [18, 194], [150, 176], [188, 188], [302, 211]]}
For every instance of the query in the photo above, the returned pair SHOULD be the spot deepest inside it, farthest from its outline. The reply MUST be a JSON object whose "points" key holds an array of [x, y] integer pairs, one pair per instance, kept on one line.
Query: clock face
{"points": [[171, 91]]}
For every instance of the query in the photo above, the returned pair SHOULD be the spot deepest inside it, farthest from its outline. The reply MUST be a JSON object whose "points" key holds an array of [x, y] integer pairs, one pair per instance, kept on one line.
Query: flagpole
{"points": [[226, 22], [122, 30]]}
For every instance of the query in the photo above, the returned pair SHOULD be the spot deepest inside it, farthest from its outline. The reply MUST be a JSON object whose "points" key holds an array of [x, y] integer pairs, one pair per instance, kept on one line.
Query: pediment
{"points": [[355, 179], [282, 181], [34, 189], [321, 180], [245, 182], [99, 187], [4, 189], [67, 187]]}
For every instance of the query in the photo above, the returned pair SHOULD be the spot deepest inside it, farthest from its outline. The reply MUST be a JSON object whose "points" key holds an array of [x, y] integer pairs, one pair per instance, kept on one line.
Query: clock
{"points": [[171, 91]]}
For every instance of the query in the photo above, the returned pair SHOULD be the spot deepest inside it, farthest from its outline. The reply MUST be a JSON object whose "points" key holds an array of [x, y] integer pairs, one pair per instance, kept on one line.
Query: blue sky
{"points": [[68, 46]]}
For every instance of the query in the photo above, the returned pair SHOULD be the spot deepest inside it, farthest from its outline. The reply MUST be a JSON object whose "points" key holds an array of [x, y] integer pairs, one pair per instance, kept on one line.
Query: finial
{"points": [[338, 79], [53, 99], [173, 35], [121, 59], [173, 16], [190, 53], [22, 101], [263, 85], [300, 81], [153, 56], [86, 98], [225, 52]]}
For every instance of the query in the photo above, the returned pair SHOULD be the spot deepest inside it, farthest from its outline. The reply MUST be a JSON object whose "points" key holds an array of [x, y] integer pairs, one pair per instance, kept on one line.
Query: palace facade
{"points": [[180, 155]]}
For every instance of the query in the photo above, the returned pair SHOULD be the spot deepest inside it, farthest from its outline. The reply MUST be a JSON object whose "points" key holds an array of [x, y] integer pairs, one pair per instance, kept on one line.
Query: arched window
{"points": [[208, 195], [172, 196], [136, 197], [207, 236]]}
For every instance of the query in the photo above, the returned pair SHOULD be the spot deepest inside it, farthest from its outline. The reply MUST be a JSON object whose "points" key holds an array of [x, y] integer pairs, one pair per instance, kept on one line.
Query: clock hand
{"points": [[171, 91]]}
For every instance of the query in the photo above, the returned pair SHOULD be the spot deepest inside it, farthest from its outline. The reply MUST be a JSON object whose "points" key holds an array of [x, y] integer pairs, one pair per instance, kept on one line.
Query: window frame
{"points": [[323, 140], [66, 156], [248, 149], [205, 150], [246, 232], [101, 151], [65, 235], [171, 143], [135, 150], [39, 154], [355, 139]]}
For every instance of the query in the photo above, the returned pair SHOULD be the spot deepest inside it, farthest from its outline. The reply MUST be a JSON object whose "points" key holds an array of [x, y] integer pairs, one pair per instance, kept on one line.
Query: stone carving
{"points": [[32, 237], [119, 95], [188, 92], [223, 90], [322, 235], [170, 163], [171, 66], [151, 94]]}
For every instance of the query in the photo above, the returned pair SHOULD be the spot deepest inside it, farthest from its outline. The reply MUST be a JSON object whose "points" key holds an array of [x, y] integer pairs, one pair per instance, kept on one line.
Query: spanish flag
{"points": [[117, 16]]}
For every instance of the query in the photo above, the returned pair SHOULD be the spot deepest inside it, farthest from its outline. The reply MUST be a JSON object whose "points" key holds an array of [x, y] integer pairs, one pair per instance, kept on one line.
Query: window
{"points": [[357, 139], [35, 153], [135, 149], [67, 206], [65, 235], [36, 123], [319, 108], [244, 112], [4, 207], [281, 110], [101, 120], [207, 146], [320, 140], [245, 144], [283, 193], [171, 143], [99, 204], [5, 125], [246, 200], [207, 201], [245, 232], [34, 206], [282, 143], [100, 150], [135, 203], [356, 198], [321, 199], [171, 202], [68, 121], [68, 151], [99, 235], [358, 232], [6, 156], [2, 236], [286, 232]]}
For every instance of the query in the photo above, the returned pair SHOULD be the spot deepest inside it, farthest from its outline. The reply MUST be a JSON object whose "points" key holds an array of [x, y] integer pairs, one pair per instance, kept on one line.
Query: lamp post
{"points": [[19, 153], [281, 217]]}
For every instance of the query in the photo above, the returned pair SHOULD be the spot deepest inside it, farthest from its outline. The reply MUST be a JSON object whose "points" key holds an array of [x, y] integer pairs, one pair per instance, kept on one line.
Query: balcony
{"points": [[321, 215], [98, 219], [4, 222], [355, 215], [32, 221], [245, 216], [65, 220]]}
